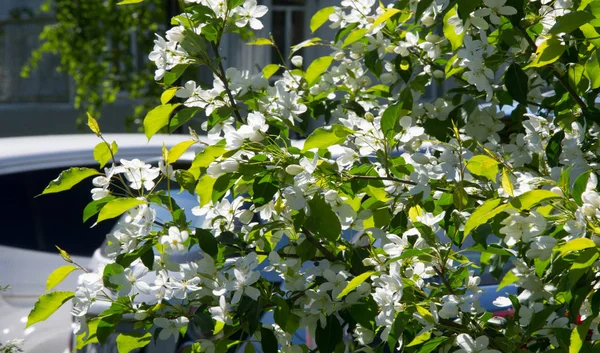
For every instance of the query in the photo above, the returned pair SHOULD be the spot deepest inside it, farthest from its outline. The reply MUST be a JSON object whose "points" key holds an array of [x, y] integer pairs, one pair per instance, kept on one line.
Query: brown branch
{"points": [[223, 78], [330, 256], [555, 73]]}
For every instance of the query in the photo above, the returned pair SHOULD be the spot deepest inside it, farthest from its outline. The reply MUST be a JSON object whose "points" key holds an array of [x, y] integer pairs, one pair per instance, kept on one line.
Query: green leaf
{"points": [[59, 275], [93, 125], [206, 157], [516, 83], [506, 183], [167, 95], [465, 7], [579, 335], [172, 75], [576, 245], [571, 21], [320, 18], [158, 118], [509, 278], [488, 210], [580, 186], [456, 40], [80, 342], [424, 337], [592, 70], [317, 68], [577, 79], [591, 34], [103, 152], [322, 221], [547, 52], [264, 189], [128, 2], [46, 305], [204, 189], [532, 198], [69, 178], [386, 15], [181, 117], [207, 242], [324, 137], [268, 340], [329, 336], [126, 342], [483, 166], [432, 344], [270, 70], [390, 118], [178, 150], [355, 282], [117, 207], [261, 41], [95, 206], [554, 148], [106, 326], [355, 36], [186, 180]]}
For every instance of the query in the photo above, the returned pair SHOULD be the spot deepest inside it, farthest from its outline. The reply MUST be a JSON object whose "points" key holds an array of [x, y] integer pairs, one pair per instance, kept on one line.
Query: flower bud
{"points": [[558, 191], [588, 210], [294, 169], [297, 60], [439, 74], [369, 117]]}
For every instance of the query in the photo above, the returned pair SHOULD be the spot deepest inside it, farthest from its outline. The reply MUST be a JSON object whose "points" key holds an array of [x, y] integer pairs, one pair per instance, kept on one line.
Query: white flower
{"points": [[250, 12], [139, 174], [170, 327], [130, 279], [468, 345], [221, 312], [174, 240], [336, 282], [519, 227], [498, 8], [541, 247]]}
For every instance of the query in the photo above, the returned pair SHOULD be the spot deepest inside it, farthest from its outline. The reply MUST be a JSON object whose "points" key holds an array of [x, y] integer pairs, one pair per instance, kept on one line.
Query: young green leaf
{"points": [[571, 21], [178, 150], [127, 342], [158, 118], [488, 210], [93, 125], [506, 183], [317, 68], [576, 245], [324, 137], [69, 178], [46, 305], [483, 166], [261, 41], [386, 15], [117, 207], [320, 18], [355, 282], [270, 70], [167, 95], [104, 152], [59, 275], [532, 198], [355, 36], [547, 52]]}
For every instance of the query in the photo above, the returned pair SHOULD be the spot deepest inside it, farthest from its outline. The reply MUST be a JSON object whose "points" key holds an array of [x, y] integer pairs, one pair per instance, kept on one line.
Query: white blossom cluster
{"points": [[366, 224]]}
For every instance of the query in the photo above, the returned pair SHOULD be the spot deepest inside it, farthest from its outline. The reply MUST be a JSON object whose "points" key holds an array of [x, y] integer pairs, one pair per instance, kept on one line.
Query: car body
{"points": [[32, 226]]}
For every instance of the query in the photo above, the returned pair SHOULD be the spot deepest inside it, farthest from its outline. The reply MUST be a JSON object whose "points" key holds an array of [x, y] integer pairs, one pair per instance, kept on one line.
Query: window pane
{"points": [[40, 223], [297, 27], [288, 2]]}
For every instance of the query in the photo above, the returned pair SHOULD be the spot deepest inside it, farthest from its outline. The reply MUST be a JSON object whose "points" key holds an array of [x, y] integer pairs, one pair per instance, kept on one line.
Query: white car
{"points": [[32, 226]]}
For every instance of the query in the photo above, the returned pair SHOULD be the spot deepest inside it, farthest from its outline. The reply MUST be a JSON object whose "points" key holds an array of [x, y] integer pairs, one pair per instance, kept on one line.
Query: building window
{"points": [[287, 27]]}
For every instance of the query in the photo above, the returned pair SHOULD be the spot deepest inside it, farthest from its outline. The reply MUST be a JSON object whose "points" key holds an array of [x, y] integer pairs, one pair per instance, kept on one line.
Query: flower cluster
{"points": [[399, 220]]}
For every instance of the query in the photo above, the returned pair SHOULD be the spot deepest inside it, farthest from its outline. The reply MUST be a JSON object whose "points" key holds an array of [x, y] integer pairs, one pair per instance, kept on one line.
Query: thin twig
{"points": [[223, 78]]}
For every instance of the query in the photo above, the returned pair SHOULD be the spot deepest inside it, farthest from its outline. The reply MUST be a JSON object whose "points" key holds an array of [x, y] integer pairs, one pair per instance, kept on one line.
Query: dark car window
{"points": [[40, 223]]}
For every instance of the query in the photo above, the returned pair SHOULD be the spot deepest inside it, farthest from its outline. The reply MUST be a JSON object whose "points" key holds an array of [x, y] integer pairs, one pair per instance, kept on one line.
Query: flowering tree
{"points": [[372, 222]]}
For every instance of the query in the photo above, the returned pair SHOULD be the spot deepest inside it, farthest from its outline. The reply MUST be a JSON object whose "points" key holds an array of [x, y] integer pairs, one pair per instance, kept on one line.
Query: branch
{"points": [[328, 255], [555, 73], [408, 182], [223, 78]]}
